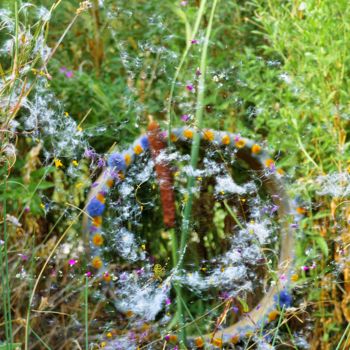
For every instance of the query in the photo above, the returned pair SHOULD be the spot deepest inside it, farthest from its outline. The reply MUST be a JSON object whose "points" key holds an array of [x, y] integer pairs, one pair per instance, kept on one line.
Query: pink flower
{"points": [[185, 118], [194, 41], [190, 87], [88, 274], [69, 74], [72, 262], [198, 72], [183, 3]]}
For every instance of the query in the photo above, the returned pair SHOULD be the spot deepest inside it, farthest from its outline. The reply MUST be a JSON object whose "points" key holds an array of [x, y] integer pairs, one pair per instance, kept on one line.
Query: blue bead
{"points": [[117, 161], [144, 142], [95, 207]]}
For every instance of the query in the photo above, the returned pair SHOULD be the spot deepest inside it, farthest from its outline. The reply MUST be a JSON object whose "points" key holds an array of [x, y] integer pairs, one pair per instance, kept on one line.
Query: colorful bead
{"points": [[95, 207], [100, 197], [97, 240], [117, 161], [256, 148], [208, 135], [225, 140], [240, 143], [188, 133], [96, 262], [138, 149]]}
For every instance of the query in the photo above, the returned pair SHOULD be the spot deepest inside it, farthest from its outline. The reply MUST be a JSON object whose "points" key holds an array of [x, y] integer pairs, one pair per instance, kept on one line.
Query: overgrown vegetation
{"points": [[79, 80]]}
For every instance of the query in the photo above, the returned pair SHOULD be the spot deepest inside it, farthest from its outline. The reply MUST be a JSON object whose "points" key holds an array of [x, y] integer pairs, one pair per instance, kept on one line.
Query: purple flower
{"points": [[194, 41], [88, 274], [63, 69], [198, 72], [72, 262], [101, 162], [89, 153], [69, 74], [167, 301], [185, 117], [183, 3], [144, 142], [284, 299], [235, 309]]}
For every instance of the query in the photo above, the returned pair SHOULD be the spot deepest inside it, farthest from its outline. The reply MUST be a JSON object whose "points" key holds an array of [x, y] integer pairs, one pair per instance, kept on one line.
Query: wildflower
{"points": [[72, 262], [190, 87], [198, 72], [100, 197], [194, 41], [256, 149], [225, 140], [89, 154], [188, 133], [109, 335], [101, 162], [79, 128], [88, 274], [208, 135], [79, 184], [110, 182], [127, 159], [272, 315], [294, 277], [66, 114], [284, 299], [185, 118], [69, 74], [75, 163], [167, 301], [301, 210], [173, 137], [58, 163], [183, 3], [96, 262], [97, 239], [172, 338]]}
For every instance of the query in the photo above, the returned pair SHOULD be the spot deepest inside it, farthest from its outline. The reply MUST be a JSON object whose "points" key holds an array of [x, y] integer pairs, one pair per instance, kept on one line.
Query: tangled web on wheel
{"points": [[235, 270]]}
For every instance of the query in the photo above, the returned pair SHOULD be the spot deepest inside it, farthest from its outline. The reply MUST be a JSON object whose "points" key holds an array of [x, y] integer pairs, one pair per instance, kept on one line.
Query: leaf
{"points": [[322, 244], [244, 304], [14, 346]]}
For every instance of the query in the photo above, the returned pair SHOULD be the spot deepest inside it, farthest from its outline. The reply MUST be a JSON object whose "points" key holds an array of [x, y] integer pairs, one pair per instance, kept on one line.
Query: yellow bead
{"points": [[240, 143], [225, 140], [127, 159]]}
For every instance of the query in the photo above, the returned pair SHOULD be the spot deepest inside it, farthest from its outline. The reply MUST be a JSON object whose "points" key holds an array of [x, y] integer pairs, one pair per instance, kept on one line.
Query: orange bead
{"points": [[97, 239], [235, 339], [188, 133], [97, 221], [138, 149], [256, 149], [96, 262], [199, 342], [101, 198], [208, 135]]}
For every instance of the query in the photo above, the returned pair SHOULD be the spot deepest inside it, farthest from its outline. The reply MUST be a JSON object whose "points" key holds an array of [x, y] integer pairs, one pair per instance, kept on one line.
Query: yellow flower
{"points": [[58, 163], [235, 339], [79, 128], [101, 198], [97, 221], [217, 342], [66, 114], [75, 163], [109, 335], [273, 315], [107, 277], [269, 163], [79, 184], [173, 137]]}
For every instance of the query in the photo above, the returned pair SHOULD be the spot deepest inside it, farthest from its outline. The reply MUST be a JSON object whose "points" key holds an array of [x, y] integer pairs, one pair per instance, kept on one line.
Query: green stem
{"points": [[182, 61], [86, 313], [194, 155]]}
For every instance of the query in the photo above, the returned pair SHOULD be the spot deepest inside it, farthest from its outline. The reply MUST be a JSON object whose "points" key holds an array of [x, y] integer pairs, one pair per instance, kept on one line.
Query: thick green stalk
{"points": [[194, 159]]}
